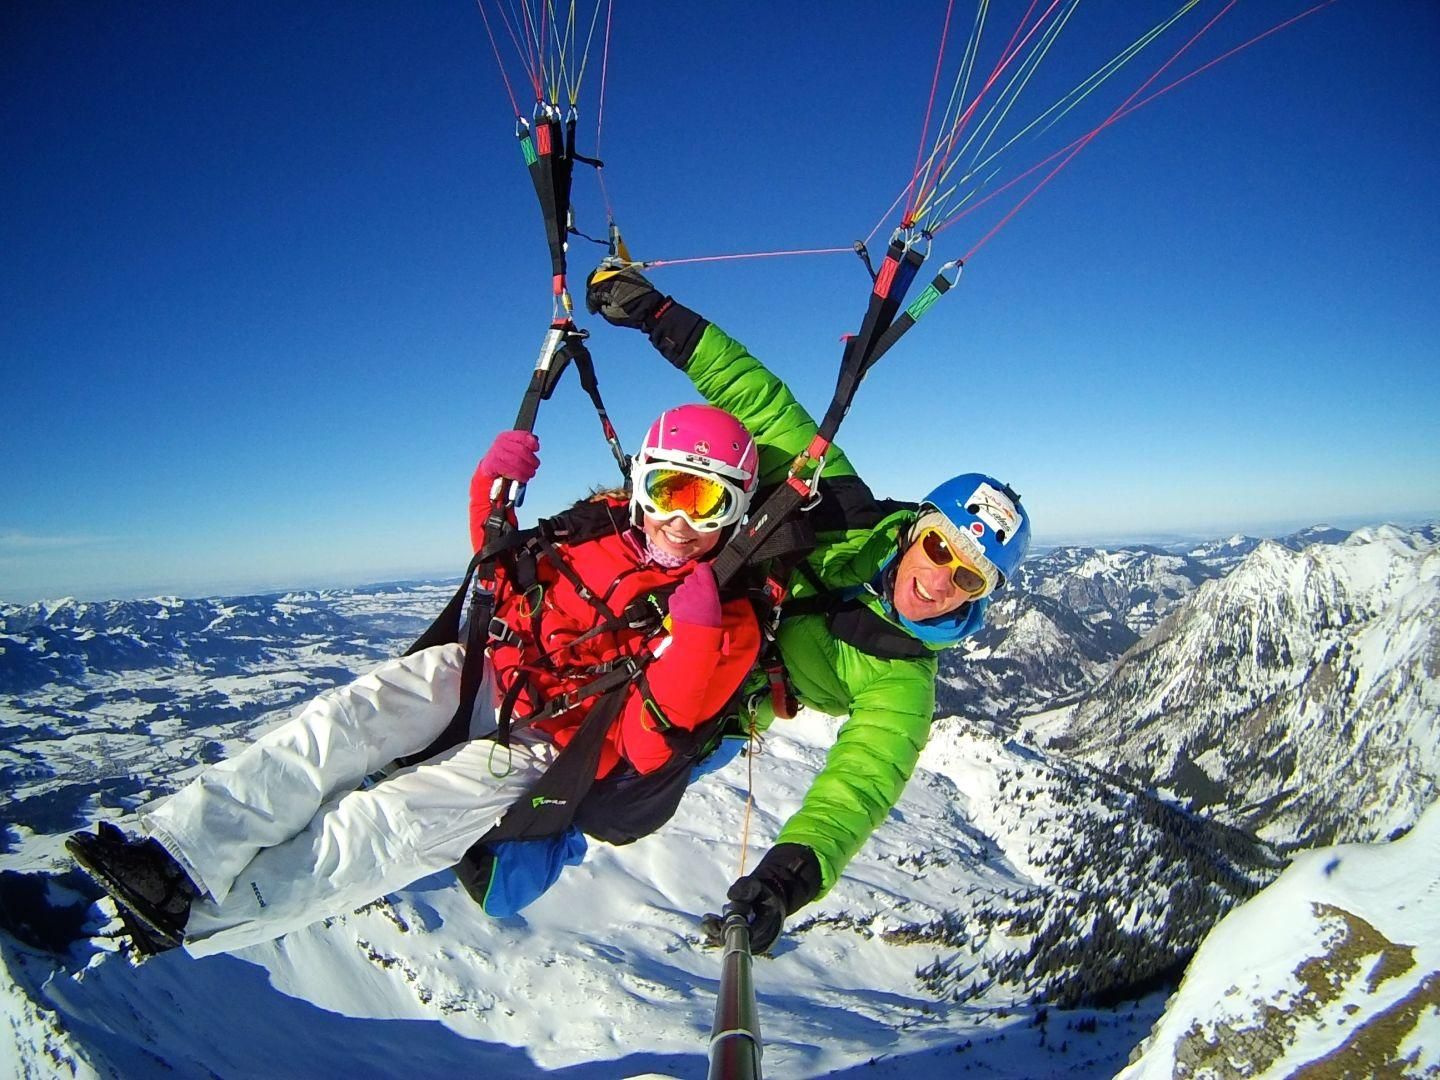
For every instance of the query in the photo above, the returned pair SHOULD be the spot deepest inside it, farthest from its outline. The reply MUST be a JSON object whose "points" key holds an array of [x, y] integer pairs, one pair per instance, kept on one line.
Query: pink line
{"points": [[747, 255], [498, 62], [1085, 140], [929, 107], [1005, 60]]}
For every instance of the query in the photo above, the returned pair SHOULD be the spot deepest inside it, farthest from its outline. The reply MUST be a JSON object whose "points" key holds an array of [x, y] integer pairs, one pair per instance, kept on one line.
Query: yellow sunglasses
{"points": [[968, 578]]}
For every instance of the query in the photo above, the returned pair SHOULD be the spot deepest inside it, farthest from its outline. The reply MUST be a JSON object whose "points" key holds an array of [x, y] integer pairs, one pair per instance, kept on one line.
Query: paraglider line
{"points": [[1123, 113], [1005, 61], [1085, 140], [514, 104], [929, 106], [748, 255], [1225, 56], [600, 110]]}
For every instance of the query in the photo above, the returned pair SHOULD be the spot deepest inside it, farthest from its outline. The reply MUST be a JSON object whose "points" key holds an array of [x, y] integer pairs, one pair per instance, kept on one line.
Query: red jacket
{"points": [[696, 672]]}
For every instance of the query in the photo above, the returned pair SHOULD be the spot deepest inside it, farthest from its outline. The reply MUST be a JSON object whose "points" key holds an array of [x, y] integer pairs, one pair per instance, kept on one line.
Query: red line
{"points": [[1085, 140], [1023, 20], [498, 62], [536, 61], [925, 127], [1004, 62], [1226, 55], [525, 52]]}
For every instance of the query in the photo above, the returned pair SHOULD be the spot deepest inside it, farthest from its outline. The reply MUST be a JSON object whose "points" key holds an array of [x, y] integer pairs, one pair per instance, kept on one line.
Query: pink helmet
{"points": [[699, 439]]}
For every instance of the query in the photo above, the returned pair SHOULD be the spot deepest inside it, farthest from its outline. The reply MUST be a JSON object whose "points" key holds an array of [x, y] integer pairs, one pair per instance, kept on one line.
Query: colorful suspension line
{"points": [[1090, 137], [964, 164], [553, 52], [942, 205]]}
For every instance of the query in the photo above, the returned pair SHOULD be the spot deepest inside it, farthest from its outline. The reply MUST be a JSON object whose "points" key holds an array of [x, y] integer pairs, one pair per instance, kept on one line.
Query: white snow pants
{"points": [[280, 837]]}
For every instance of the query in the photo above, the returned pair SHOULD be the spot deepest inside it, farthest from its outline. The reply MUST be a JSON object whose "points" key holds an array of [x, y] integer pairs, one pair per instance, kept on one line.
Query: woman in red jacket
{"points": [[692, 482], [284, 834]]}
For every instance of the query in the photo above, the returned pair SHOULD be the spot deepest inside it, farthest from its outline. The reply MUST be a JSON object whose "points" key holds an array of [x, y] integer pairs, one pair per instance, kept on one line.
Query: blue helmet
{"points": [[989, 511]]}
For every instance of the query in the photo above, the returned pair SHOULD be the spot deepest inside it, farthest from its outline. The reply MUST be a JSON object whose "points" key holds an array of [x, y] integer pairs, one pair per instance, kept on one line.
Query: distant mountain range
{"points": [[1074, 611], [68, 642]]}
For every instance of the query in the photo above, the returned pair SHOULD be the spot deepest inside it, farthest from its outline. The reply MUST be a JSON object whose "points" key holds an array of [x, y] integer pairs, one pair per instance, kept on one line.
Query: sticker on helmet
{"points": [[996, 510]]}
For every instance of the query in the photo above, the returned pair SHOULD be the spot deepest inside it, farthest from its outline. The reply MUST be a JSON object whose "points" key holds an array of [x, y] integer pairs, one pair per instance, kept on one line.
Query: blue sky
{"points": [[274, 276]]}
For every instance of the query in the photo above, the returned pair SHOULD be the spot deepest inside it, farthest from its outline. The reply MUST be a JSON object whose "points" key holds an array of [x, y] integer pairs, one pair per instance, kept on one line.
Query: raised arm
{"points": [[721, 368]]}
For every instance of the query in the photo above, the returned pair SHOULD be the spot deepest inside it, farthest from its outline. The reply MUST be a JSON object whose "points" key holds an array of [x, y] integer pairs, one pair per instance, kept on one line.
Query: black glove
{"points": [[622, 297], [625, 298], [787, 879]]}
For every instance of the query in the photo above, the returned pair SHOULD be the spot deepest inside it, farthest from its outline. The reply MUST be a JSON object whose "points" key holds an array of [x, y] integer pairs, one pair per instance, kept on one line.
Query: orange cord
{"points": [[749, 797]]}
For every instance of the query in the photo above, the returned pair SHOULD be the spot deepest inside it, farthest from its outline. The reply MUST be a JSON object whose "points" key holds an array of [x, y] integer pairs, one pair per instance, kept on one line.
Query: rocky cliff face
{"points": [[1296, 697]]}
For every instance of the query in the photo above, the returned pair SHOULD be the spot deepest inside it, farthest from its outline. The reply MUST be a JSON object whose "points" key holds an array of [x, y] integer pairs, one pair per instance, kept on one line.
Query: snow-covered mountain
{"points": [[1072, 612], [1014, 892], [961, 910], [1341, 974], [928, 943], [1055, 633], [1296, 697]]}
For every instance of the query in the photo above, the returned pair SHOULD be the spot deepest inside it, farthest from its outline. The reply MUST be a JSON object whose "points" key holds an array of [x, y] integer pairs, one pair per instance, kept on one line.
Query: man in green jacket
{"points": [[888, 586]]}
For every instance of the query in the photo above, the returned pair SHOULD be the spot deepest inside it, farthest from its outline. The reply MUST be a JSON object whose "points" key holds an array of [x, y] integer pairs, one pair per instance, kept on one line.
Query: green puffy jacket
{"points": [[889, 703]]}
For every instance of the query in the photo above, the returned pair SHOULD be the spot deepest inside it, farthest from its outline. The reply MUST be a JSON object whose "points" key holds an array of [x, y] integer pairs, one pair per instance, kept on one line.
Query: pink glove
{"points": [[697, 600], [512, 456]]}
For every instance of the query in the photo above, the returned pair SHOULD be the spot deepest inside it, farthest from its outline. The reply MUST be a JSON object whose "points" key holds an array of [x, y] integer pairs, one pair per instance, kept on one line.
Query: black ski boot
{"points": [[149, 885]]}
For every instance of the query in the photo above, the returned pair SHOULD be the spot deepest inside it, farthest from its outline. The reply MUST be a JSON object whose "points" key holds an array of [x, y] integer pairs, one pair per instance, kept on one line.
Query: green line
{"points": [[1067, 102], [1005, 99]]}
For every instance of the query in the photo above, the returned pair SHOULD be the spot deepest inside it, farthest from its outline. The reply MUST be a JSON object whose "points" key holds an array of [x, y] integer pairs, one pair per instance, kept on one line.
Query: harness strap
{"points": [[579, 355], [851, 620], [797, 493], [446, 627], [472, 671], [545, 147], [938, 287], [550, 803], [891, 283]]}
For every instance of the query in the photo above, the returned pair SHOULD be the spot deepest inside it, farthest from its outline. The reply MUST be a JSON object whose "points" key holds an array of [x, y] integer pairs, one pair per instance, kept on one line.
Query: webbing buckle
{"points": [[501, 633], [810, 488], [774, 590], [782, 700], [643, 613], [652, 710]]}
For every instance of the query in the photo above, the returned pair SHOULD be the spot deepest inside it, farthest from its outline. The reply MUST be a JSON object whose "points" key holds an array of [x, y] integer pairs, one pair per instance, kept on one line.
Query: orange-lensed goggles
{"points": [[706, 502], [968, 578]]}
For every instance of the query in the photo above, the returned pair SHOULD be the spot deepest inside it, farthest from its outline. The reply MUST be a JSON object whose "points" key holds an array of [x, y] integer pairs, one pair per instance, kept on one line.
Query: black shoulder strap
{"points": [[848, 503], [851, 620], [588, 519], [855, 623]]}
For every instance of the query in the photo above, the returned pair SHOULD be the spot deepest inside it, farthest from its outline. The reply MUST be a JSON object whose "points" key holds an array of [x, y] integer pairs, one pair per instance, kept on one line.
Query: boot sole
{"points": [[134, 905]]}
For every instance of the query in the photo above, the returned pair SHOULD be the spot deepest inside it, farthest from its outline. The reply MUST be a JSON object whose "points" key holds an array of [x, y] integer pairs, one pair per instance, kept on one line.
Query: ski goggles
{"points": [[970, 576], [706, 501]]}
